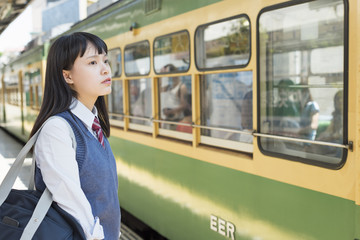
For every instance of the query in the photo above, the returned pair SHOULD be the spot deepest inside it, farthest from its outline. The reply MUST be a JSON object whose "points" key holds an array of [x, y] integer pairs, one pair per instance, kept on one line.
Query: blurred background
{"points": [[25, 24]]}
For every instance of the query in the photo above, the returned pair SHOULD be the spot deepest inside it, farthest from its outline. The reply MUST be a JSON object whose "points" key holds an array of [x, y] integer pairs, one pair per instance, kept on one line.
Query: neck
{"points": [[88, 102]]}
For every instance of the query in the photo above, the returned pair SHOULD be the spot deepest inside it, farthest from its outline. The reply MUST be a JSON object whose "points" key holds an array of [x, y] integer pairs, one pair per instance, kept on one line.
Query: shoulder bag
{"points": [[28, 214]]}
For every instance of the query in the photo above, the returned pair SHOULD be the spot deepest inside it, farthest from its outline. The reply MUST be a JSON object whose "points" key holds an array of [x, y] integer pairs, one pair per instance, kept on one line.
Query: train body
{"points": [[240, 157]]}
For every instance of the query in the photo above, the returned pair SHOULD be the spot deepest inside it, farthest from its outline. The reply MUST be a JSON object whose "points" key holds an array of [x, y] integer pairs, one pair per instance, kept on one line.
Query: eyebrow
{"points": [[97, 55]]}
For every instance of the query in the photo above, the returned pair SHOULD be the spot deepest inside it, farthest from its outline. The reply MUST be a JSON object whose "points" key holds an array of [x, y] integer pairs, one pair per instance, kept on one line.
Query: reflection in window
{"points": [[26, 87], [137, 59], [226, 102], [175, 102], [115, 101], [223, 44], [172, 49], [115, 61], [302, 79], [140, 100]]}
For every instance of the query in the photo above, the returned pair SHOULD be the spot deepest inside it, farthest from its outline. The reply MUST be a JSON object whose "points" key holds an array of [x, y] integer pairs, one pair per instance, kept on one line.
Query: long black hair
{"points": [[57, 93]]}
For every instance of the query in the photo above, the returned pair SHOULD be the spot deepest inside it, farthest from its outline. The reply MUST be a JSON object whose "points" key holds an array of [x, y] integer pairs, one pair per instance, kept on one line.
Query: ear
{"points": [[67, 77]]}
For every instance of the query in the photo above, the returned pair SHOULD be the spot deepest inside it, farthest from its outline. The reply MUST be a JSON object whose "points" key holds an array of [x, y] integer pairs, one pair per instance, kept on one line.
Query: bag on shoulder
{"points": [[29, 214]]}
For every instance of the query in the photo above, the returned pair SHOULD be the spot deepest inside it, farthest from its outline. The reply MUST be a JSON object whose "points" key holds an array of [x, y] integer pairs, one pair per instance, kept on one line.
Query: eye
{"points": [[92, 63], [106, 61]]}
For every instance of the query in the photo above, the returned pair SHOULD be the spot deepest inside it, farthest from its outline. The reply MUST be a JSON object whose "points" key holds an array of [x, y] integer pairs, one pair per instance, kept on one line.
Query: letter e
{"points": [[221, 229], [213, 223]]}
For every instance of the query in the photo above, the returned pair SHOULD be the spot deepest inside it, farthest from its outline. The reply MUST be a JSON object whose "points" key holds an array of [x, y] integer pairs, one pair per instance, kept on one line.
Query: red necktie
{"points": [[97, 129]]}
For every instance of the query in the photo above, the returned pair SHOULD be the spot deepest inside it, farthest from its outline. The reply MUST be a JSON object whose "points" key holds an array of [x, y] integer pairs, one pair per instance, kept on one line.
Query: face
{"points": [[283, 93], [90, 76]]}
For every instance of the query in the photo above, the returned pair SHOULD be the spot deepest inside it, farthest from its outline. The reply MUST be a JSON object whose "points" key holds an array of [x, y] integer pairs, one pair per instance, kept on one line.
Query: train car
{"points": [[21, 91], [232, 119]]}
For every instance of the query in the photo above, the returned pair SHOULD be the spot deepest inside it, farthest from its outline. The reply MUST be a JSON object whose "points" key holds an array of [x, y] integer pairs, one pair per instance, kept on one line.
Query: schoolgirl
{"points": [[82, 180]]}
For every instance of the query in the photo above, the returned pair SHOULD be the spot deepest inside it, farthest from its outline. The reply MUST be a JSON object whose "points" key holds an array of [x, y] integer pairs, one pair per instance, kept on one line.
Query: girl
{"points": [[83, 181]]}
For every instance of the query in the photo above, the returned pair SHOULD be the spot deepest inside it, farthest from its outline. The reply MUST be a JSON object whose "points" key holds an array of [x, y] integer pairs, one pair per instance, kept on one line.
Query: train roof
{"points": [[9, 10]]}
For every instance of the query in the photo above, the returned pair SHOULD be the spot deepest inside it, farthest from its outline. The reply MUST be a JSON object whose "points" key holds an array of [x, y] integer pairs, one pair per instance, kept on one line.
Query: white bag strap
{"points": [[42, 207], [14, 171], [45, 200], [31, 185]]}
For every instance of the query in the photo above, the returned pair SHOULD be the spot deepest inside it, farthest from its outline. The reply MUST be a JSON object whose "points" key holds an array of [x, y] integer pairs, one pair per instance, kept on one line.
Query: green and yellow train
{"points": [[230, 119]]}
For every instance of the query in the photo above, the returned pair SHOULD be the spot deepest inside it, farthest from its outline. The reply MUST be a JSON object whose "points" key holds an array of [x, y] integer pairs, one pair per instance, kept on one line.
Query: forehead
{"points": [[91, 50]]}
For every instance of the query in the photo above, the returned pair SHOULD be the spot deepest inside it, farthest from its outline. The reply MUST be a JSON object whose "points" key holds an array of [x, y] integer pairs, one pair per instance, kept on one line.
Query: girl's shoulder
{"points": [[56, 126]]}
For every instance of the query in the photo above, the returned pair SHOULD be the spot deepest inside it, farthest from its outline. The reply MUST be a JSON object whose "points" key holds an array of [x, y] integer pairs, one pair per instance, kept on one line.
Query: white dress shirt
{"points": [[55, 157]]}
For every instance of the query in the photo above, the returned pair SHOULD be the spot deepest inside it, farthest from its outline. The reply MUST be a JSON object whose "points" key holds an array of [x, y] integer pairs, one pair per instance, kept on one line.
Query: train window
{"points": [[39, 94], [172, 49], [137, 59], [115, 101], [115, 61], [226, 104], [36, 81], [33, 94], [140, 104], [223, 44], [26, 87], [301, 80], [175, 102]]}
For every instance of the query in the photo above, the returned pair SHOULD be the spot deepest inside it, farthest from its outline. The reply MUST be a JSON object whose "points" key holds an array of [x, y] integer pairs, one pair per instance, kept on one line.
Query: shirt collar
{"points": [[83, 113]]}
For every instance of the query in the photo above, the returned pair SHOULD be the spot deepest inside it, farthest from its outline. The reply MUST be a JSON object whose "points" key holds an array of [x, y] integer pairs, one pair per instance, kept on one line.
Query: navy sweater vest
{"points": [[98, 176]]}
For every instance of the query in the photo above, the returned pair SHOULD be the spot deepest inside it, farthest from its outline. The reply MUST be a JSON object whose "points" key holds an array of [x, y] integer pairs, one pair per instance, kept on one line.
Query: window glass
{"points": [[137, 59], [115, 101], [35, 83], [223, 44], [39, 95], [173, 50], [301, 62], [12, 87], [175, 102], [226, 102], [115, 61], [26, 87], [140, 100], [34, 89]]}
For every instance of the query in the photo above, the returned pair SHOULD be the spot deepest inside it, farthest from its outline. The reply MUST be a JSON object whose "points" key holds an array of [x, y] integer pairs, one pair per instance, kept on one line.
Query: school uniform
{"points": [[83, 183]]}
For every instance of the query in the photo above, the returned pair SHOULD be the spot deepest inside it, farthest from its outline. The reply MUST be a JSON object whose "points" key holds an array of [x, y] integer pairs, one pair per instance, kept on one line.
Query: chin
{"points": [[106, 92]]}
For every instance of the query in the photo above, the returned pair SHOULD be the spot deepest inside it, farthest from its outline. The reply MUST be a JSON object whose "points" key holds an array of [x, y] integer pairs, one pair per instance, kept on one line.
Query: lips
{"points": [[107, 81]]}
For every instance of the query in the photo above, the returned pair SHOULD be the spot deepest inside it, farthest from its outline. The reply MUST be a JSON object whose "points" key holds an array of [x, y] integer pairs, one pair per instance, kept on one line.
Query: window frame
{"points": [[133, 44], [169, 34], [121, 55], [345, 89], [240, 146], [132, 125], [223, 67]]}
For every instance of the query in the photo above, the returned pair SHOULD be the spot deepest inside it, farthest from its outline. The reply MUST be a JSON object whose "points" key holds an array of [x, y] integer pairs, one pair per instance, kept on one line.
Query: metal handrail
{"points": [[223, 129], [171, 122], [252, 132], [139, 118], [330, 144]]}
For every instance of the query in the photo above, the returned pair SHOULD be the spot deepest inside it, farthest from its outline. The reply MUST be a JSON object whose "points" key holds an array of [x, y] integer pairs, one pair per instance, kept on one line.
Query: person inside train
{"points": [[82, 180], [246, 117], [286, 111], [140, 102], [309, 118], [334, 132], [172, 96], [187, 117]]}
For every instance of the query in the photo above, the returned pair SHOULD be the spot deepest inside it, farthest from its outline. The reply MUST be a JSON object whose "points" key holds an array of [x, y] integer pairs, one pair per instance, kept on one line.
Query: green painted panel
{"points": [[31, 56], [176, 196], [118, 18]]}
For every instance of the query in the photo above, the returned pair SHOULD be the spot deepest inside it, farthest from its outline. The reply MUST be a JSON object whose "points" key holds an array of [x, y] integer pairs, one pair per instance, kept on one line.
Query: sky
{"points": [[17, 34]]}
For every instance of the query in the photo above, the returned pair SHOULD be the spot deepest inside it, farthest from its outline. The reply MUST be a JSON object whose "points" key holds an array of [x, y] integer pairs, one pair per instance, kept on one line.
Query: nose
{"points": [[105, 69]]}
